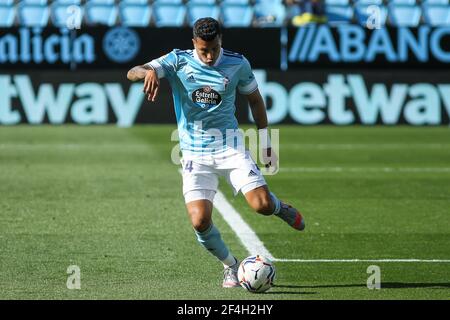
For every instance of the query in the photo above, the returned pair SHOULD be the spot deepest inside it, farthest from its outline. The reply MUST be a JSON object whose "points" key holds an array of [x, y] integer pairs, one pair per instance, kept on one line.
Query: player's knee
{"points": [[200, 221], [201, 225]]}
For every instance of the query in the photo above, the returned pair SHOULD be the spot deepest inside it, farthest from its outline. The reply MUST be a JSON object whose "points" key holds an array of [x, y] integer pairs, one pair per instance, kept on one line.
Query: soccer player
{"points": [[204, 82]]}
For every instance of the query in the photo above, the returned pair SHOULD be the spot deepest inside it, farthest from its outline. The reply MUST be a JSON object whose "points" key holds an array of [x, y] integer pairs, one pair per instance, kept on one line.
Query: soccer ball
{"points": [[256, 274]]}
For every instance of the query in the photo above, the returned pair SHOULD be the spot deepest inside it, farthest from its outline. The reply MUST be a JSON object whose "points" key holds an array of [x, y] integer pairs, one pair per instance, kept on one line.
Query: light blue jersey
{"points": [[204, 96]]}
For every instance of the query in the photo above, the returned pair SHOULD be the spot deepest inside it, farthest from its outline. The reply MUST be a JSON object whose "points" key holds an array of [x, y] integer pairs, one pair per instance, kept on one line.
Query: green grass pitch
{"points": [[109, 200]]}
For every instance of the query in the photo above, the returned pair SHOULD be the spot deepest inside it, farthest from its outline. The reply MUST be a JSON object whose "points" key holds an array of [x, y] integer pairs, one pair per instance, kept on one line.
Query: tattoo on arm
{"points": [[138, 73]]}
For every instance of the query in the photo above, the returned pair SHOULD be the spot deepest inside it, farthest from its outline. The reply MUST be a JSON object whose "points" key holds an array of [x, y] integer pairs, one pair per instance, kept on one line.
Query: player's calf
{"points": [[259, 200], [263, 206]]}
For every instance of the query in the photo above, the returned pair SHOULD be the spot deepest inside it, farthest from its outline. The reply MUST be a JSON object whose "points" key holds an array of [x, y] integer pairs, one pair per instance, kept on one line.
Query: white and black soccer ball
{"points": [[256, 274]]}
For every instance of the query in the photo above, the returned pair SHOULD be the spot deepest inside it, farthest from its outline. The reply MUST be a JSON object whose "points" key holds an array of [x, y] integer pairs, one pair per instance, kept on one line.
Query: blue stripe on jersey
{"points": [[232, 52], [232, 56], [178, 51]]}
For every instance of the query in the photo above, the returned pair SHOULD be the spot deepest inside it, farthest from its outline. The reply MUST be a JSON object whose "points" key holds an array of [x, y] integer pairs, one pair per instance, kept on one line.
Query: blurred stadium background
{"points": [[360, 92], [234, 13]]}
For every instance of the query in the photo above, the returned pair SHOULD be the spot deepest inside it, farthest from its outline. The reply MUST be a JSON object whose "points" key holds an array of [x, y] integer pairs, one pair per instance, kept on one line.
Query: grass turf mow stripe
{"points": [[109, 200]]}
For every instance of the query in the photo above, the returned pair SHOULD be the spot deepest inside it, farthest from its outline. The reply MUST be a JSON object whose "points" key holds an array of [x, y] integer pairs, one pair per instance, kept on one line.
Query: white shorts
{"points": [[238, 168]]}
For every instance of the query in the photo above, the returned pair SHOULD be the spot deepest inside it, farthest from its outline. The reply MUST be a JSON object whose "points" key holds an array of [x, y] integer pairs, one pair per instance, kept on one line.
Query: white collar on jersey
{"points": [[196, 57]]}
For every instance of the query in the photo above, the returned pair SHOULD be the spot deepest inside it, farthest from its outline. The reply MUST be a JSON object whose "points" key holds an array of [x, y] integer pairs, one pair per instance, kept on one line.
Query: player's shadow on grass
{"points": [[275, 291], [400, 285], [385, 285]]}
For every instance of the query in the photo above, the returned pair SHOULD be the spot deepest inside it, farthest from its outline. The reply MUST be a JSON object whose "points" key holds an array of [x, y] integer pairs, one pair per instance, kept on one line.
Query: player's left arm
{"points": [[258, 109]]}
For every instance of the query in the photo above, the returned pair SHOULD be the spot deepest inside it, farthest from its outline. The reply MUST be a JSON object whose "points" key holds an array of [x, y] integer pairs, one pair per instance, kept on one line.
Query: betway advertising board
{"points": [[303, 97]]}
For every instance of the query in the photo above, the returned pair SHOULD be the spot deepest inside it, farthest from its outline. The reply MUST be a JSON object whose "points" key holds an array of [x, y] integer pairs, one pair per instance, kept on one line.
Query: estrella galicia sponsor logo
{"points": [[31, 46], [206, 97], [353, 43], [121, 44]]}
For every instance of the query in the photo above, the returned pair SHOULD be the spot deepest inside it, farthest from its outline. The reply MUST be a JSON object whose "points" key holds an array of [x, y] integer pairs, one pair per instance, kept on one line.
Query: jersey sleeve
{"points": [[165, 66], [247, 82]]}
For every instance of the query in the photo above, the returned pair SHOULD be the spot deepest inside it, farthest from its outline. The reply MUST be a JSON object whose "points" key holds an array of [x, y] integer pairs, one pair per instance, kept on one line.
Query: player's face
{"points": [[208, 51]]}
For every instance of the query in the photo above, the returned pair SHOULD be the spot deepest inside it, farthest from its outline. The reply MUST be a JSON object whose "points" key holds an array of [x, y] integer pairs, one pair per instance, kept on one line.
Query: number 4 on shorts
{"points": [[189, 166]]}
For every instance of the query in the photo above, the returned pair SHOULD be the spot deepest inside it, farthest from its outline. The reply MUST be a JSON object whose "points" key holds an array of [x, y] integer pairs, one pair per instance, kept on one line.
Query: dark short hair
{"points": [[207, 29]]}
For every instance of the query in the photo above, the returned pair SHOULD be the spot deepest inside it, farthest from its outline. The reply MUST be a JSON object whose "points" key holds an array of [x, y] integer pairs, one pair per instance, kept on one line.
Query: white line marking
{"points": [[243, 231], [315, 146], [366, 170], [254, 245], [361, 260], [76, 146], [370, 146]]}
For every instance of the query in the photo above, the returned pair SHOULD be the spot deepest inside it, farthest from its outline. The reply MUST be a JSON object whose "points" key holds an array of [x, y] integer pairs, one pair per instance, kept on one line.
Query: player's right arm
{"points": [[138, 73], [151, 81], [163, 67]]}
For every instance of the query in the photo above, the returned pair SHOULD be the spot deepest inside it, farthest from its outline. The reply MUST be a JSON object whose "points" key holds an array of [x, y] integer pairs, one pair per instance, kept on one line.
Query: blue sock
{"points": [[277, 203], [211, 240]]}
